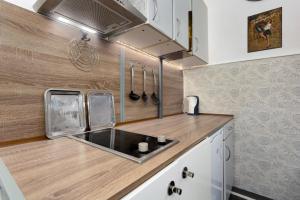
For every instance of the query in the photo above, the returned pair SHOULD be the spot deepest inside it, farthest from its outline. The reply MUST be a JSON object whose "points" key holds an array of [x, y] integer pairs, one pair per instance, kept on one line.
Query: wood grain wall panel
{"points": [[34, 57], [173, 87], [135, 110]]}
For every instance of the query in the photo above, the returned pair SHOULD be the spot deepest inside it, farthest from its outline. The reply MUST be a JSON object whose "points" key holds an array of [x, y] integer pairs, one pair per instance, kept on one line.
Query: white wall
{"points": [[264, 96], [227, 21]]}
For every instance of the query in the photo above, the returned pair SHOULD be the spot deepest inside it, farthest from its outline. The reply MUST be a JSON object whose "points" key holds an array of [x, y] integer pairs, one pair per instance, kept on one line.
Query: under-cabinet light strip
{"points": [[147, 54], [84, 28]]}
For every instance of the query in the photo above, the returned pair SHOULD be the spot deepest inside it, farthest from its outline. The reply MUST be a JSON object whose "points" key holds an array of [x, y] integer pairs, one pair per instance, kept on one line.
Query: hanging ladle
{"points": [[133, 96], [144, 95], [154, 96]]}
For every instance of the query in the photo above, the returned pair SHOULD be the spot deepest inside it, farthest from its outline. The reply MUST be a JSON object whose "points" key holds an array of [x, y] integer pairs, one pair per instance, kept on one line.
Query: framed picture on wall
{"points": [[265, 30]]}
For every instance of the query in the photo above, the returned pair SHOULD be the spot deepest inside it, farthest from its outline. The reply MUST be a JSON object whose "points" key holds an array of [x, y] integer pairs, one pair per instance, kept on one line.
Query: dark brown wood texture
{"points": [[34, 57]]}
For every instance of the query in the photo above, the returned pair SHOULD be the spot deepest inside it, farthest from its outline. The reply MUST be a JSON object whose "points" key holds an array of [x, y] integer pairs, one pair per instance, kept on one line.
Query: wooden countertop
{"points": [[67, 169]]}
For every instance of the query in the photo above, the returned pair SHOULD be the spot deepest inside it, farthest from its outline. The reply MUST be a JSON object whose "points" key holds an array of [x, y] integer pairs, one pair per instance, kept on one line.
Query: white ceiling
{"points": [[27, 4]]}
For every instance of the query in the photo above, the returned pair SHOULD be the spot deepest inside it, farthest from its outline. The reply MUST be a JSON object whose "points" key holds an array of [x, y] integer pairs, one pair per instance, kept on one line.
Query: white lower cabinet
{"points": [[228, 146], [216, 143], [196, 175], [194, 185], [156, 188], [196, 172]]}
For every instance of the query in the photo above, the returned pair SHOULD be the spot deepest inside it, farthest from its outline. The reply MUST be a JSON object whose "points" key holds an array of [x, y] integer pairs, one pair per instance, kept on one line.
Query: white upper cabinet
{"points": [[200, 30], [181, 10], [167, 30], [140, 5], [160, 15]]}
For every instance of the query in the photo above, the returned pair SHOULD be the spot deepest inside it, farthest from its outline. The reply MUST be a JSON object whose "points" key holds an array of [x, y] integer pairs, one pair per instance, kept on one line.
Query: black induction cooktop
{"points": [[125, 144]]}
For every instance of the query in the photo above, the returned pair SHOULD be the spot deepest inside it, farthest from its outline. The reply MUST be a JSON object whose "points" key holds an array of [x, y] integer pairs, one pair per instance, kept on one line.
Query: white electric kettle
{"points": [[191, 105]]}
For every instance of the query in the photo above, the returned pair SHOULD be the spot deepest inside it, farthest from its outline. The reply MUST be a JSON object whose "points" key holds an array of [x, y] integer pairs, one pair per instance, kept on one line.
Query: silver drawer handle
{"points": [[186, 173], [178, 26], [173, 189], [155, 9], [229, 153], [197, 44]]}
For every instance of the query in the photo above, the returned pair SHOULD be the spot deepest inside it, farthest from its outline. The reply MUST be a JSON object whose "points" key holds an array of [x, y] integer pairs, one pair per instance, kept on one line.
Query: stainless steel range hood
{"points": [[107, 17]]}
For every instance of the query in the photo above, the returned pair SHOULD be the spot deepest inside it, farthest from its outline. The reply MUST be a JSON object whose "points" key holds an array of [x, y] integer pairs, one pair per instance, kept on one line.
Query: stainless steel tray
{"points": [[101, 110], [64, 112]]}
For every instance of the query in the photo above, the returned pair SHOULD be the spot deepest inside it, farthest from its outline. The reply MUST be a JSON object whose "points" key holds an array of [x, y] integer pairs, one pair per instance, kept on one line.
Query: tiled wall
{"points": [[264, 96]]}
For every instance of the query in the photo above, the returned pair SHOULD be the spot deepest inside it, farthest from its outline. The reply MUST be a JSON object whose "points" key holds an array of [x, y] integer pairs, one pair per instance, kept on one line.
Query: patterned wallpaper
{"points": [[264, 96]]}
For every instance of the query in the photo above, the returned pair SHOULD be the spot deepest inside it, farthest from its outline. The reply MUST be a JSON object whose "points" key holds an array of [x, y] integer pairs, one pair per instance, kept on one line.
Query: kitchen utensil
{"points": [[101, 110], [144, 95], [154, 97], [133, 96], [64, 112]]}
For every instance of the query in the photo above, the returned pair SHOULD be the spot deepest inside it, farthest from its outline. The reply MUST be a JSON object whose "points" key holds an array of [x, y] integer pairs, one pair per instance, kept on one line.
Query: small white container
{"points": [[161, 139], [143, 147]]}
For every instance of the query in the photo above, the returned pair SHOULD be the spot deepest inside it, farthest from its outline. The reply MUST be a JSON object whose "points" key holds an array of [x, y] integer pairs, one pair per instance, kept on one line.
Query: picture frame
{"points": [[265, 30]]}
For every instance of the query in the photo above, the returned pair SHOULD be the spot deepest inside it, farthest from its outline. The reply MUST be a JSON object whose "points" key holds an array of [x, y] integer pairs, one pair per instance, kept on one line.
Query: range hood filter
{"points": [[107, 17]]}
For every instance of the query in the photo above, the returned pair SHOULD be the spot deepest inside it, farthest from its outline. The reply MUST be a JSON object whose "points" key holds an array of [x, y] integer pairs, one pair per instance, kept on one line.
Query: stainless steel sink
{"points": [[9, 190]]}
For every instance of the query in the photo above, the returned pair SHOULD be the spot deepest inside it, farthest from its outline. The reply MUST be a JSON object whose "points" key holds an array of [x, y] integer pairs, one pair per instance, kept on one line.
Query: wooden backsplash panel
{"points": [[173, 87], [135, 110], [34, 57]]}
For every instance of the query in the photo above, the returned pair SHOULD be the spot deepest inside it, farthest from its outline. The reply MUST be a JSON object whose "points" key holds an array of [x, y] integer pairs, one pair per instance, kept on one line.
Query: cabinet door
{"points": [[228, 158], [181, 22], [157, 186], [140, 5], [160, 16], [217, 165], [200, 29], [198, 162]]}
